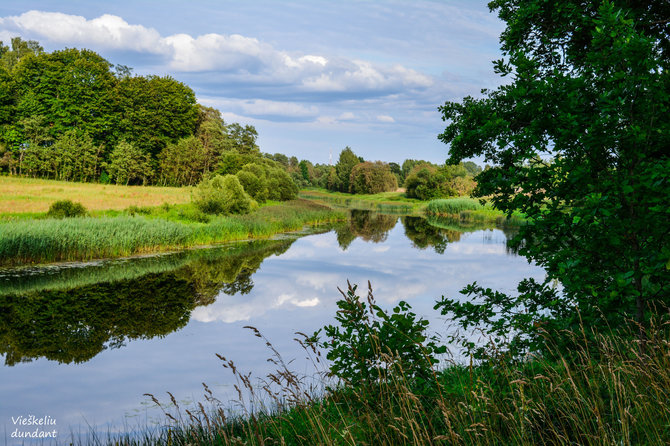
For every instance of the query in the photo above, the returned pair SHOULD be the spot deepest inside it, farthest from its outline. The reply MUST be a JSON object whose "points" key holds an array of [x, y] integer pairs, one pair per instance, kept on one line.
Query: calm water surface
{"points": [[82, 343]]}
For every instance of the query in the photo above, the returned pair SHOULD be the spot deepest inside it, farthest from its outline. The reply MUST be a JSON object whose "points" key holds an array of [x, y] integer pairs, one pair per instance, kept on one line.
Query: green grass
{"points": [[51, 240], [469, 210], [621, 398], [466, 208], [452, 206], [20, 195], [387, 202]]}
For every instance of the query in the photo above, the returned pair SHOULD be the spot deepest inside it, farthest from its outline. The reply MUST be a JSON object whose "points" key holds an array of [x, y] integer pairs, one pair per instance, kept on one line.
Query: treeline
{"points": [[352, 174], [71, 115]]}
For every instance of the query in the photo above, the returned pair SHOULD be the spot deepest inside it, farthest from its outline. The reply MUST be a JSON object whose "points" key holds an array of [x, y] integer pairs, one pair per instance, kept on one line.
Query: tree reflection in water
{"points": [[367, 225], [74, 323], [70, 314]]}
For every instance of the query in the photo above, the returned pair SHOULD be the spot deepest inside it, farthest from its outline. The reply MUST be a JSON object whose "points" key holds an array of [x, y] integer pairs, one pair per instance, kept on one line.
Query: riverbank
{"points": [[145, 230], [466, 209], [606, 392]]}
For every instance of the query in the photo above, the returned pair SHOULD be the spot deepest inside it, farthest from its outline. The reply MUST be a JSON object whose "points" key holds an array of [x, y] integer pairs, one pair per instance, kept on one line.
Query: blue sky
{"points": [[311, 76]]}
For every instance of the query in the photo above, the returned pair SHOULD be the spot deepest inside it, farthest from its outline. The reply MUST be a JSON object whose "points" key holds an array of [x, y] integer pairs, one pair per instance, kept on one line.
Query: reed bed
{"points": [[469, 210], [452, 206], [70, 239]]}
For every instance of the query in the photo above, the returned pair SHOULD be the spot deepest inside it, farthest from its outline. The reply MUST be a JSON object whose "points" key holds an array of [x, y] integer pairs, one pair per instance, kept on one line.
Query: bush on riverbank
{"points": [[66, 208], [223, 195]]}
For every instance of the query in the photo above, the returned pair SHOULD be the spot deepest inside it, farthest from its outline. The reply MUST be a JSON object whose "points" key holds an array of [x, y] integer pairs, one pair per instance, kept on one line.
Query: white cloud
{"points": [[385, 118], [108, 31], [245, 58], [263, 107]]}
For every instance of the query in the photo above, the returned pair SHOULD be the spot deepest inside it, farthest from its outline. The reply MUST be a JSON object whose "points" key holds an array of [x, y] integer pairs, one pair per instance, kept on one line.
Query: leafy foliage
{"points": [[65, 209], [63, 114], [183, 163], [369, 341], [345, 164], [427, 182], [372, 178], [128, 163], [579, 139], [223, 195]]}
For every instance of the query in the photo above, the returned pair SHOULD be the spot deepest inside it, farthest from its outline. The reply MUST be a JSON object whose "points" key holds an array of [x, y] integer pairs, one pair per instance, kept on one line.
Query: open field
{"points": [[30, 195]]}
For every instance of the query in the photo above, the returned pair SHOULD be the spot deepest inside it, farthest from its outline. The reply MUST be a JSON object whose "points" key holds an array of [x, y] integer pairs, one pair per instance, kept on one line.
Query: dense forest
{"points": [[72, 115]]}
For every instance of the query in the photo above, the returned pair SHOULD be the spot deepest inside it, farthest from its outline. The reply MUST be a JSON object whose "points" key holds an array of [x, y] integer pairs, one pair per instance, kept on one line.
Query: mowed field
{"points": [[27, 195]]}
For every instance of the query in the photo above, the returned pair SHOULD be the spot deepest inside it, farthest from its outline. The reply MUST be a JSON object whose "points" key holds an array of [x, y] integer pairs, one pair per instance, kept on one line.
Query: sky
{"points": [[311, 76]]}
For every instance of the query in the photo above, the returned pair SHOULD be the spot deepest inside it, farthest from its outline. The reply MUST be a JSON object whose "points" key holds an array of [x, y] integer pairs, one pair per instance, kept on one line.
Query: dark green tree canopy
{"points": [[344, 166], [154, 111], [71, 88], [579, 139]]}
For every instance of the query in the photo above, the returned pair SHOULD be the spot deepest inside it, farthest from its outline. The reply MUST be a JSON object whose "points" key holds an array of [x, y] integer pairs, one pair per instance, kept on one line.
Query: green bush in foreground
{"points": [[65, 209]]}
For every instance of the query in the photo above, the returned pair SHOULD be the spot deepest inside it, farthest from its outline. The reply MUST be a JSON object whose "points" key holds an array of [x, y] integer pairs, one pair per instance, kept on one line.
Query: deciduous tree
{"points": [[578, 136]]}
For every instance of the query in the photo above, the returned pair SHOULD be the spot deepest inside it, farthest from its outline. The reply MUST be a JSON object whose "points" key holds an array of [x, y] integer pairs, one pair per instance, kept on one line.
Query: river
{"points": [[82, 343]]}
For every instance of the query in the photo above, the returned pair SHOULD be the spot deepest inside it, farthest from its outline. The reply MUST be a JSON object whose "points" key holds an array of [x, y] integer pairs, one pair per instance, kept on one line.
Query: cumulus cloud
{"points": [[233, 55], [385, 118], [107, 31]]}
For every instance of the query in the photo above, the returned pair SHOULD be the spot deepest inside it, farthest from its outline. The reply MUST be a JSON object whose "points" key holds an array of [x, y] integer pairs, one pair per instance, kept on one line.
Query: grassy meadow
{"points": [[128, 220], [19, 195]]}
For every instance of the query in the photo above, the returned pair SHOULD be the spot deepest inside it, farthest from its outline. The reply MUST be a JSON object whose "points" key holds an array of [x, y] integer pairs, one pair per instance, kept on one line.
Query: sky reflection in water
{"points": [[293, 290]]}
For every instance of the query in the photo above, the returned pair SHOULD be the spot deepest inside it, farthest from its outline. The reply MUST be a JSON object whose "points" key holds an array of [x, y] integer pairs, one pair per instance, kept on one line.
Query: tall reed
{"points": [[51, 240]]}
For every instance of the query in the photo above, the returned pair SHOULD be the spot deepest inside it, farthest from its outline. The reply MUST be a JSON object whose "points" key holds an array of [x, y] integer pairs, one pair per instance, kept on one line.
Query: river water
{"points": [[82, 343]]}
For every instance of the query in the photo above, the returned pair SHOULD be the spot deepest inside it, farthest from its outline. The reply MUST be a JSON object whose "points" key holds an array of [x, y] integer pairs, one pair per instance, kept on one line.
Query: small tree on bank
{"points": [[127, 163], [222, 195]]}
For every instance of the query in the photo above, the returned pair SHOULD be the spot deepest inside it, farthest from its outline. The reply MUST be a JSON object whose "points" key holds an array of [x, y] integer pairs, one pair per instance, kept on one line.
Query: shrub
{"points": [[372, 178], [66, 209], [426, 182], [281, 186], [370, 344], [422, 183], [253, 185], [223, 195]]}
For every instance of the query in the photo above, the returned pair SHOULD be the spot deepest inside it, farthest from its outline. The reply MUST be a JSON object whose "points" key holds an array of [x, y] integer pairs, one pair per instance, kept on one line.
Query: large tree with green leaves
{"points": [[71, 88], [345, 164], [154, 111], [579, 136]]}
